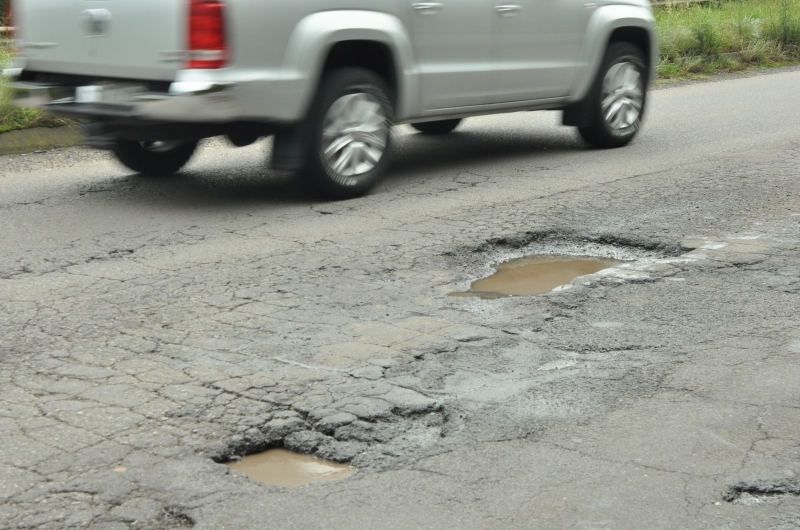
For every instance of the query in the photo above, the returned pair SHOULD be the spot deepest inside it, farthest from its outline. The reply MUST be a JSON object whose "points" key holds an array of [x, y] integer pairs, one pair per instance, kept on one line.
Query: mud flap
{"points": [[578, 114], [289, 149]]}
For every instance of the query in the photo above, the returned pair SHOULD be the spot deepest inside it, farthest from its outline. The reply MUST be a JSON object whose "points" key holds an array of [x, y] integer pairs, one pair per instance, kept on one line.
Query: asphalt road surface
{"points": [[152, 328]]}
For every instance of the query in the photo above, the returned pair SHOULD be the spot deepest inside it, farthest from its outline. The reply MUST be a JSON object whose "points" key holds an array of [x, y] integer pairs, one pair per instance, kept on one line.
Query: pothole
{"points": [[532, 275], [753, 494], [280, 467], [751, 499], [499, 263]]}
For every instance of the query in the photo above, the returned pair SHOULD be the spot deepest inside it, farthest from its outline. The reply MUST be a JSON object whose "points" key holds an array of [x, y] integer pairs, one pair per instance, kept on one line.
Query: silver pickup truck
{"points": [[327, 78]]}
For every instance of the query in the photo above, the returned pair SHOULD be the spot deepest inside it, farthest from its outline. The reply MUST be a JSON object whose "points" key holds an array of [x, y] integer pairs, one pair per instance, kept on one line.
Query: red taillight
{"points": [[208, 42]]}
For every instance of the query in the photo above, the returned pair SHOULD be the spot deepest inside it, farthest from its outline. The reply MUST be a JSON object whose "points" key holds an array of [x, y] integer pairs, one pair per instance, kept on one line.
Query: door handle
{"points": [[428, 8], [508, 10]]}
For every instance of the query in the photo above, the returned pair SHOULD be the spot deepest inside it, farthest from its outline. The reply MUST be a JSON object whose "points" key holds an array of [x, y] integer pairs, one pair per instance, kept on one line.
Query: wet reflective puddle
{"points": [[280, 467], [535, 275]]}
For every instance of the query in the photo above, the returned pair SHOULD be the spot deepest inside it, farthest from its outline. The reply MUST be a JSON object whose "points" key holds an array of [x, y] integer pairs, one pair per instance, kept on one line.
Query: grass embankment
{"points": [[727, 36], [696, 40], [13, 118]]}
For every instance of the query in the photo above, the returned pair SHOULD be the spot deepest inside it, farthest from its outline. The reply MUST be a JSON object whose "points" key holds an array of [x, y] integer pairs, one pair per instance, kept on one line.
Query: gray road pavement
{"points": [[153, 326]]}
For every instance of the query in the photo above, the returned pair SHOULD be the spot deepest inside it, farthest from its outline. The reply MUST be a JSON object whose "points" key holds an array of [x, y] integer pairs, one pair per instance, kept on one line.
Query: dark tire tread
{"points": [[136, 157], [437, 127], [334, 85], [598, 133]]}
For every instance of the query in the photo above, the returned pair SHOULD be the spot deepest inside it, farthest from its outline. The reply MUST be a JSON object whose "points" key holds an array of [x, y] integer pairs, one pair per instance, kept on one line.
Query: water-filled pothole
{"points": [[533, 275], [280, 467]]}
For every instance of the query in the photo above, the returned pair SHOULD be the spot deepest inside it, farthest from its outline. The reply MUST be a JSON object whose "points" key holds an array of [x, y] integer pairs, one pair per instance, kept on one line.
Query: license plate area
{"points": [[109, 94]]}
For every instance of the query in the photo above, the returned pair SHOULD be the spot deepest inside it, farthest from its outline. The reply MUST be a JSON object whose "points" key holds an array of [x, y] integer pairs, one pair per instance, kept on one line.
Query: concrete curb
{"points": [[40, 138]]}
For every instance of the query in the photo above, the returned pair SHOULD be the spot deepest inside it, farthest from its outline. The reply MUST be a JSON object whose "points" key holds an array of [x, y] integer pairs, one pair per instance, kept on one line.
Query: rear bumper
{"points": [[186, 102]]}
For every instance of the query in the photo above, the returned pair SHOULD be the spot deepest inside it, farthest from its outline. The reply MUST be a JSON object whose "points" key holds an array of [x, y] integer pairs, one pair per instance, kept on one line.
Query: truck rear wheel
{"points": [[154, 158], [437, 127], [617, 97], [349, 133]]}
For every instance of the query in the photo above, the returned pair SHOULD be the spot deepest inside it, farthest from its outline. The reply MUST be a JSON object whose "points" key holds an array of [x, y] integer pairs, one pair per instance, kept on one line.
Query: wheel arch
{"points": [[370, 54], [378, 41], [636, 35], [609, 24]]}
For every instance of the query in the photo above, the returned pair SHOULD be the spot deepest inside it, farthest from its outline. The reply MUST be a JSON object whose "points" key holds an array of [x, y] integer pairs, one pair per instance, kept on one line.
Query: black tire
{"points": [[347, 87], [600, 132], [437, 127], [154, 158]]}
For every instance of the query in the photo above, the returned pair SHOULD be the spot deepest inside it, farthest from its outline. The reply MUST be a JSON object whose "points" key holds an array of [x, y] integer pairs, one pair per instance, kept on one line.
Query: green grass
{"points": [[14, 118], [727, 36]]}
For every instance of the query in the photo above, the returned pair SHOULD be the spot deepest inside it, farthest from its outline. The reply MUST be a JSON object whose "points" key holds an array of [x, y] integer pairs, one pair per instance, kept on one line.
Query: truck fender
{"points": [[602, 24], [316, 34]]}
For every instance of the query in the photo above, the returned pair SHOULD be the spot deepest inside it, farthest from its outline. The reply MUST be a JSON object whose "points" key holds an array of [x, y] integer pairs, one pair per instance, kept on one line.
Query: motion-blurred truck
{"points": [[327, 78]]}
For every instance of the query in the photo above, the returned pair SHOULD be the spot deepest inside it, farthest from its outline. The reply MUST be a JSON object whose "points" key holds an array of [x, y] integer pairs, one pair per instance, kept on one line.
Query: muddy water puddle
{"points": [[280, 467], [535, 275]]}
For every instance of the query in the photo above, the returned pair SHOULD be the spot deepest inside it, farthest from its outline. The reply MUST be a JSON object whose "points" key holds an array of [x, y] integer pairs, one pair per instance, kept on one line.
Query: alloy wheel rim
{"points": [[160, 146], [622, 96], [355, 133]]}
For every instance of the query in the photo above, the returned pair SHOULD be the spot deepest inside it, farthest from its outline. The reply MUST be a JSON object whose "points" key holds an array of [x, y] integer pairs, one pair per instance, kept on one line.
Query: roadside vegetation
{"points": [[727, 36], [13, 118], [696, 40]]}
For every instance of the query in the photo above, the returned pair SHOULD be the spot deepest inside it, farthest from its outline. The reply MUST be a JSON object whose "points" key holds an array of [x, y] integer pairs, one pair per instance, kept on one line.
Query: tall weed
{"points": [[785, 27], [707, 38], [13, 117], [746, 27], [727, 35], [762, 52]]}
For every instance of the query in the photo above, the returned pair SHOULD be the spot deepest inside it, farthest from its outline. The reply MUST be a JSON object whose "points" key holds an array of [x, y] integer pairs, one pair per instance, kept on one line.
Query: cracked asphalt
{"points": [[152, 328]]}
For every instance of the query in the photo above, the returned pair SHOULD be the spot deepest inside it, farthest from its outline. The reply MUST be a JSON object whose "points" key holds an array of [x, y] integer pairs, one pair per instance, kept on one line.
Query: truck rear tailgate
{"points": [[130, 39]]}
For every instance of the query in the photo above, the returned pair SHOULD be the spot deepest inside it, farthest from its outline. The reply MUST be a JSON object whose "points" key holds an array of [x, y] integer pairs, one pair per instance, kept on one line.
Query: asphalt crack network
{"points": [[158, 357]]}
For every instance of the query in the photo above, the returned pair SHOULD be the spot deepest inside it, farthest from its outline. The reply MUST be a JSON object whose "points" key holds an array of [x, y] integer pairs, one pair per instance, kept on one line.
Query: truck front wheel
{"points": [[617, 98], [349, 133], [154, 158]]}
